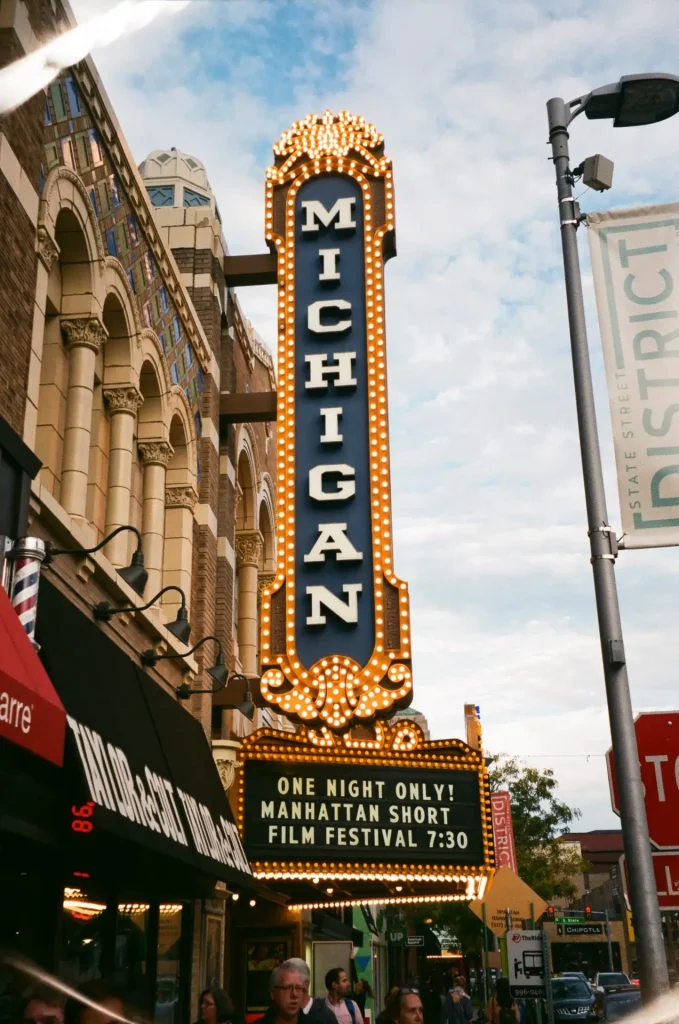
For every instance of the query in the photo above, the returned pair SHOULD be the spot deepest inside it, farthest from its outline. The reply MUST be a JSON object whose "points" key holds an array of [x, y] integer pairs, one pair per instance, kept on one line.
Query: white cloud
{"points": [[490, 528]]}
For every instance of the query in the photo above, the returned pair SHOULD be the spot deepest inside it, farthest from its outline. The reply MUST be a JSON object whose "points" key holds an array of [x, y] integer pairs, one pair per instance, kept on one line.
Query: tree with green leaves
{"points": [[545, 863], [539, 818]]}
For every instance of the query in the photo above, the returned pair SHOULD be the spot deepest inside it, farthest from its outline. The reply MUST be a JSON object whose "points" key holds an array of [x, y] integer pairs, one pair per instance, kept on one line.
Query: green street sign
{"points": [[570, 918]]}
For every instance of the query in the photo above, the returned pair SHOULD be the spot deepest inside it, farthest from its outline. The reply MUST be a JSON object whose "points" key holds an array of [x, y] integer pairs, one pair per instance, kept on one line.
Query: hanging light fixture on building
{"points": [[134, 574], [181, 627]]}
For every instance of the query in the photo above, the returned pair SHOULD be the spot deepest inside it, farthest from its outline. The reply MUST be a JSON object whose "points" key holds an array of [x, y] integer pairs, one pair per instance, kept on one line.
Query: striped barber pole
{"points": [[27, 555]]}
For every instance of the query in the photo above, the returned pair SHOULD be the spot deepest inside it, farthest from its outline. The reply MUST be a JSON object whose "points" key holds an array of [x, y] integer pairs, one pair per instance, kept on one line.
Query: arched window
{"points": [[180, 498], [72, 339]]}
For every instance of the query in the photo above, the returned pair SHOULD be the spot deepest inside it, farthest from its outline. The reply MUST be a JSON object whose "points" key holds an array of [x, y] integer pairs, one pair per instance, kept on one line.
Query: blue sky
{"points": [[489, 510]]}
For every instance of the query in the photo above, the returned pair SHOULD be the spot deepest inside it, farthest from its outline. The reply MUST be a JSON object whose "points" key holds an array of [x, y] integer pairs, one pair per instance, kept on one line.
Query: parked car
{"points": [[576, 974], [610, 979], [615, 1003], [573, 999]]}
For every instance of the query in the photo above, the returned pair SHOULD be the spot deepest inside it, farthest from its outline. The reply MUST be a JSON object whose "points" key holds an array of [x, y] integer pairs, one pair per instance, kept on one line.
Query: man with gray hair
{"points": [[290, 999]]}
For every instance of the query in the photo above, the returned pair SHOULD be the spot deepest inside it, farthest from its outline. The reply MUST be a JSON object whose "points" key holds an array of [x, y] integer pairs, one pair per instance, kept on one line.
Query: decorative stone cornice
{"points": [[249, 547], [180, 497], [84, 332], [47, 248], [125, 399], [265, 580], [155, 452], [227, 773]]}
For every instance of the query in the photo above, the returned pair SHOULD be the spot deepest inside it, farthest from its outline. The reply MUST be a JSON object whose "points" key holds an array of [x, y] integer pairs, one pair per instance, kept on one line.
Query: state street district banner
{"points": [[635, 260]]}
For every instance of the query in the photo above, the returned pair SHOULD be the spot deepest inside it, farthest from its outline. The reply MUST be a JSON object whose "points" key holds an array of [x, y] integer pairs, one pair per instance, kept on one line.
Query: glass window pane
{"points": [[161, 195], [73, 97], [169, 964], [82, 939], [131, 950], [192, 198], [58, 101], [95, 148], [67, 153]]}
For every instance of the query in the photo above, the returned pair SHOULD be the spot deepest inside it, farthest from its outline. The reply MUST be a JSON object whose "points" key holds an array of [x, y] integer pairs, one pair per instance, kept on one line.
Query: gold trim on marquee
{"points": [[336, 692]]}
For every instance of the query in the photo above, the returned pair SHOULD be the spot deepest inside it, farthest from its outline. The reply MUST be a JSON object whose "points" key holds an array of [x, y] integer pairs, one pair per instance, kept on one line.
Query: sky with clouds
{"points": [[489, 508]]}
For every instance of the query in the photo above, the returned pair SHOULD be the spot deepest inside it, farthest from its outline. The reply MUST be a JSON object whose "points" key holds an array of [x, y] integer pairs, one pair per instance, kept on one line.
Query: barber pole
{"points": [[26, 557]]}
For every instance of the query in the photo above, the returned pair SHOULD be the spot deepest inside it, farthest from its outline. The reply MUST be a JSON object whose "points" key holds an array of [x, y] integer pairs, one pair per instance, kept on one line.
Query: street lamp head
{"points": [[635, 100], [134, 574]]}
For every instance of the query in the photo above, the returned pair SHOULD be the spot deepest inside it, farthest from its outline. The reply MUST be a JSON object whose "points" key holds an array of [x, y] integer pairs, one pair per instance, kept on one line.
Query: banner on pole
{"points": [[635, 263], [503, 831]]}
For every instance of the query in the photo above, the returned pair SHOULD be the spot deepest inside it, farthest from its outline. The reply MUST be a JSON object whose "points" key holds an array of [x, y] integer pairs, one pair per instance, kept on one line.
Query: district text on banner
{"points": [[635, 262]]}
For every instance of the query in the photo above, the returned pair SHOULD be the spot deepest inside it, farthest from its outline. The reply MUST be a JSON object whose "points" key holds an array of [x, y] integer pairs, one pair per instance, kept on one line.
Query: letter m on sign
{"points": [[342, 211]]}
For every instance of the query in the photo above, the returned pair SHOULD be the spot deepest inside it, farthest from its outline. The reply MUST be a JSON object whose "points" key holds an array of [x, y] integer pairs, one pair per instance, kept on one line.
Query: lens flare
{"points": [[27, 76], [20, 963]]}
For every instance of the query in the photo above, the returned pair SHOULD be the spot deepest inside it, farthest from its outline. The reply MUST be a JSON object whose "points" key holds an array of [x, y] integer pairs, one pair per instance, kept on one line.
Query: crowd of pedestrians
{"points": [[290, 1002]]}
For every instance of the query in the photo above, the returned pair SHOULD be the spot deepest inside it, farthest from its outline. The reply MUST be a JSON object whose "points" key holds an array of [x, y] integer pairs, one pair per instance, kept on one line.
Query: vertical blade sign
{"points": [[335, 621]]}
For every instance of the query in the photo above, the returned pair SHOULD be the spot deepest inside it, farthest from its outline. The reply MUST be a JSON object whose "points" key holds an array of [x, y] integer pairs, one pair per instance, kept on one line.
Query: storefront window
{"points": [[83, 920], [131, 950], [169, 964]]}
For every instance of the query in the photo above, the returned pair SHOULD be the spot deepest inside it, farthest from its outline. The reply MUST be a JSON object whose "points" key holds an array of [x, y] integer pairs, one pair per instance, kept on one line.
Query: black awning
{"points": [[142, 763]]}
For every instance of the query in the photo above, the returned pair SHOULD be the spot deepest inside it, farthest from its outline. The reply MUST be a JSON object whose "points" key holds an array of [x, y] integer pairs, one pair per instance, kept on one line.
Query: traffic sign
{"points": [[525, 959], [658, 743], [507, 892], [666, 869]]}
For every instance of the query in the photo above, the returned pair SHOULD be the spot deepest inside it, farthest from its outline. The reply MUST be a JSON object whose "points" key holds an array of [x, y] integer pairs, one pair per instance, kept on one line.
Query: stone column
{"points": [[123, 404], [155, 457], [178, 558], [249, 547], [85, 337]]}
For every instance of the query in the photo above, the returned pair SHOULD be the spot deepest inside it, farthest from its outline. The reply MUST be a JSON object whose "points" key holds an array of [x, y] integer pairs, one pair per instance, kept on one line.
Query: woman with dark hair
{"points": [[501, 1008], [216, 1007], [362, 991]]}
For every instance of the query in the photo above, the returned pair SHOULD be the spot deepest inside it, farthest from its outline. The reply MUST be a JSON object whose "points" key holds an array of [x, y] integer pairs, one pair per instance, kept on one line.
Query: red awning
{"points": [[31, 714]]}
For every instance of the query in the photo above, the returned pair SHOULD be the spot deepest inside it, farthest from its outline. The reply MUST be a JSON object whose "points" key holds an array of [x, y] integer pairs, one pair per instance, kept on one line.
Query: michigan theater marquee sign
{"points": [[345, 798], [335, 637]]}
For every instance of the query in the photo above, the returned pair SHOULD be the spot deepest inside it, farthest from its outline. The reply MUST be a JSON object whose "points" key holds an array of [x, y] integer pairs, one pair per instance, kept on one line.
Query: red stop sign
{"points": [[658, 743]]}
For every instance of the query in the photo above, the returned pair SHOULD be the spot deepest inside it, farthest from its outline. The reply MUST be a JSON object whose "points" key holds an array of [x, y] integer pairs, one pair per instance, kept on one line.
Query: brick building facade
{"points": [[118, 339]]}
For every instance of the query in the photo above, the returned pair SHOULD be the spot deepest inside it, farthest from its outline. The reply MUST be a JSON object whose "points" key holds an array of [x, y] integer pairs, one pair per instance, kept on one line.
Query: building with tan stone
{"points": [[119, 342]]}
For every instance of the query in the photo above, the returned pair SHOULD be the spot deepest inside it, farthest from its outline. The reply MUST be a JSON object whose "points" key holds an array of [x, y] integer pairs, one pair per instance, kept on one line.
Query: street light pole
{"points": [[647, 924]]}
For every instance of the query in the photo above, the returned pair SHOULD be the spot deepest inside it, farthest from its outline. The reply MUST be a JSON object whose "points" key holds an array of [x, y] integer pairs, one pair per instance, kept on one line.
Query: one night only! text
{"points": [[344, 813]]}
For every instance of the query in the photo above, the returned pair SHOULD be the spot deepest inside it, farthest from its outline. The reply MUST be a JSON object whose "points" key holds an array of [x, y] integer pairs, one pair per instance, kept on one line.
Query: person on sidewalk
{"points": [[290, 999], [457, 1006], [501, 1008], [315, 1010], [345, 1010]]}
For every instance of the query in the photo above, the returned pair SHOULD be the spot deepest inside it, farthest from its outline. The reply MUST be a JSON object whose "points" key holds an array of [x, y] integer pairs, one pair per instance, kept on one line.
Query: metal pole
{"points": [[611, 965], [652, 964], [486, 968], [538, 1002]]}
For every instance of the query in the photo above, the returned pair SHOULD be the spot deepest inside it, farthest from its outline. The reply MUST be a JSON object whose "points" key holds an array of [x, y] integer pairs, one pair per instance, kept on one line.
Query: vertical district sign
{"points": [[335, 621]]}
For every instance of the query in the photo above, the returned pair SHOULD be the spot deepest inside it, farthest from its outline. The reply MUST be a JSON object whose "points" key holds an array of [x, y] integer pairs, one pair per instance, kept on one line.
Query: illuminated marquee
{"points": [[335, 622], [412, 812]]}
